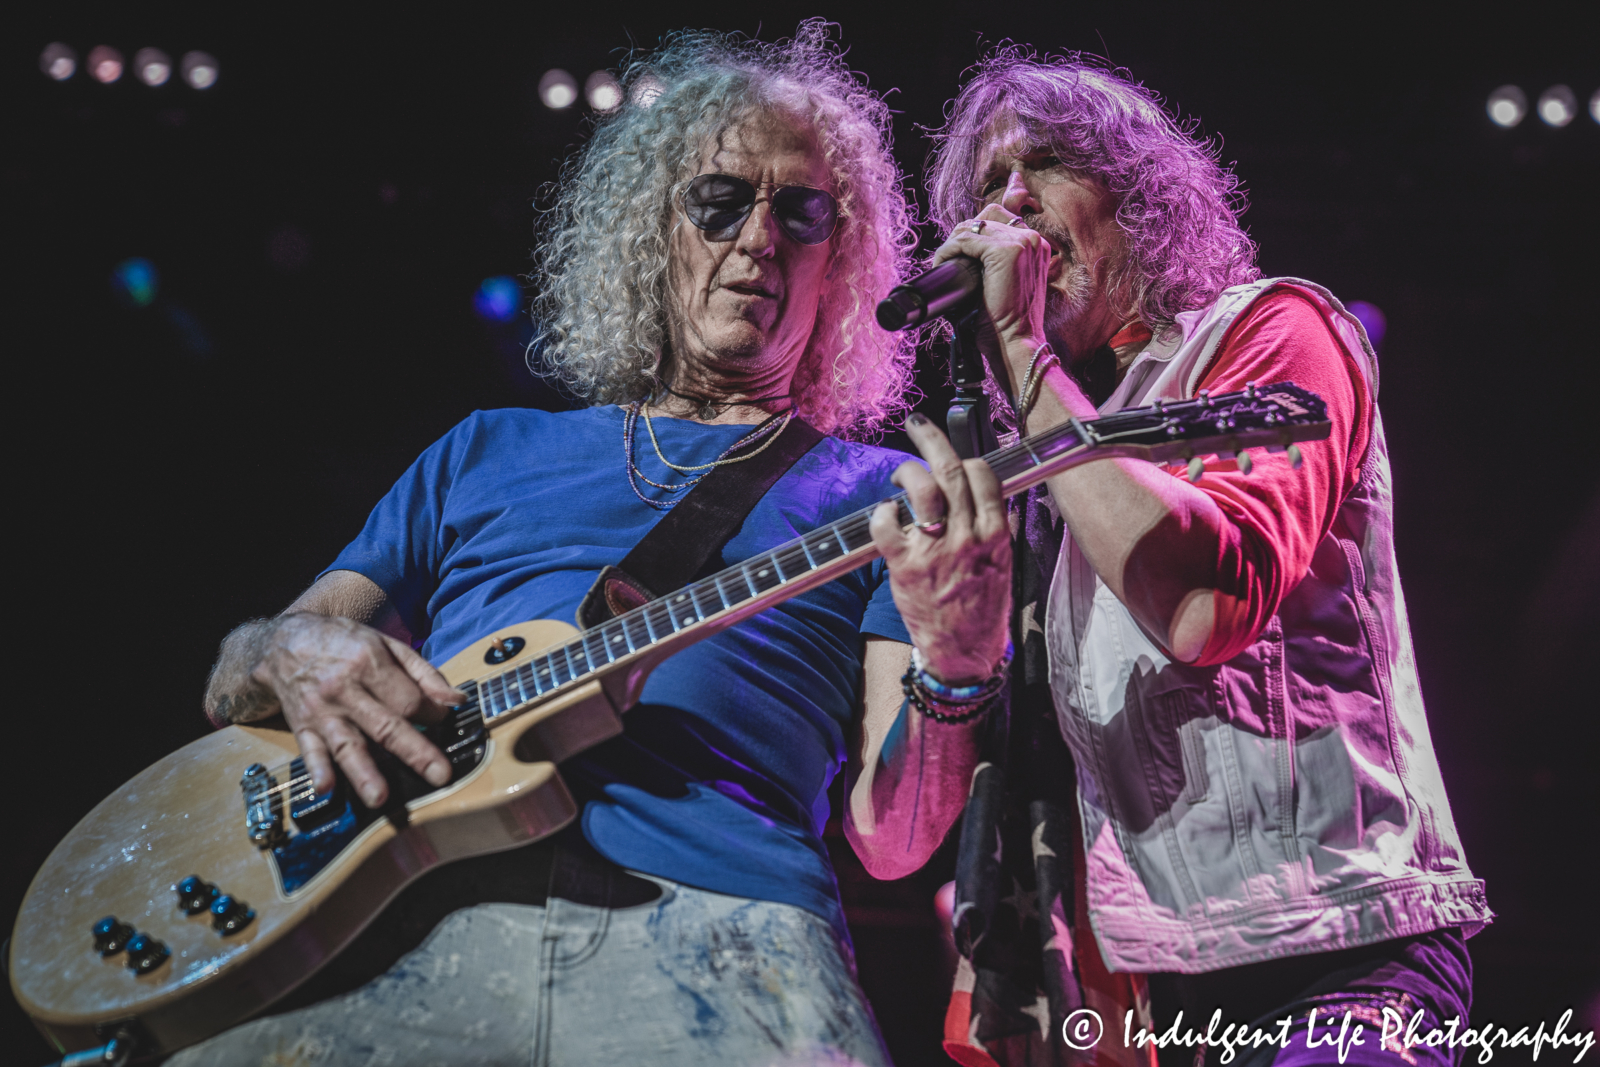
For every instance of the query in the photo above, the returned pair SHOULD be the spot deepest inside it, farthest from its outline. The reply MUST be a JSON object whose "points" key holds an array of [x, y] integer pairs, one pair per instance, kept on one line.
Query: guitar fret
{"points": [[1177, 428]]}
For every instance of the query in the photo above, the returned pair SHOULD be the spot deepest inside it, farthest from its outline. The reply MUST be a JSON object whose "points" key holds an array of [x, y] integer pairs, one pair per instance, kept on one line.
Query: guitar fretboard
{"points": [[846, 543]]}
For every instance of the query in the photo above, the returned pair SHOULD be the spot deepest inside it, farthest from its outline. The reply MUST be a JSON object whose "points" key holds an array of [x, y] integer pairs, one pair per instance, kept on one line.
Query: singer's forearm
{"points": [[1152, 538]]}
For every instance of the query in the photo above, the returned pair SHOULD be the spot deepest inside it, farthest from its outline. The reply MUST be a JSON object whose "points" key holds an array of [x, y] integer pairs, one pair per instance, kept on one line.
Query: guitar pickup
{"points": [[310, 809]]}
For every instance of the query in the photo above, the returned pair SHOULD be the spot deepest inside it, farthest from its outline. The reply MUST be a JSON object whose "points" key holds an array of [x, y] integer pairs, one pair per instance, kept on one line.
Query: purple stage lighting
{"points": [[199, 69], [557, 89], [152, 66], [1372, 319], [59, 61], [105, 64], [1594, 105], [134, 282], [1557, 106], [1508, 105], [498, 298]]}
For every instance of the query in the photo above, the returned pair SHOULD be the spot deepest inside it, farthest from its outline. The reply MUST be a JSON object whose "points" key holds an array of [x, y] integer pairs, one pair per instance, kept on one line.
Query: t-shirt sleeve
{"points": [[402, 545], [882, 618], [1277, 515]]}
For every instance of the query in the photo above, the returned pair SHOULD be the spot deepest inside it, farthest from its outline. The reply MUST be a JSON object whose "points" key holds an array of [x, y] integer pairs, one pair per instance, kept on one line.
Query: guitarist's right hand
{"points": [[338, 683]]}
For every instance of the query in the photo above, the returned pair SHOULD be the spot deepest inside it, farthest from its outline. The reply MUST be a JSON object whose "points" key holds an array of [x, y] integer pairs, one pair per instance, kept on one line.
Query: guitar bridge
{"points": [[263, 810]]}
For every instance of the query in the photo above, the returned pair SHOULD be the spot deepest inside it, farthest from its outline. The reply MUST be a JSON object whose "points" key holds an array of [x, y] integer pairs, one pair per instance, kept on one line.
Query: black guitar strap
{"points": [[679, 547]]}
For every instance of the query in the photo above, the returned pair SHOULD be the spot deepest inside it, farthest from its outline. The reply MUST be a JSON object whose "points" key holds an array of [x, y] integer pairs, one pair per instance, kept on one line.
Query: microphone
{"points": [[945, 291]]}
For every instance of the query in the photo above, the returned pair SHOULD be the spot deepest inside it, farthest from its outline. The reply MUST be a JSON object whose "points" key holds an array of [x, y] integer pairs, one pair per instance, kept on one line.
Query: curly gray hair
{"points": [[1177, 206], [601, 268]]}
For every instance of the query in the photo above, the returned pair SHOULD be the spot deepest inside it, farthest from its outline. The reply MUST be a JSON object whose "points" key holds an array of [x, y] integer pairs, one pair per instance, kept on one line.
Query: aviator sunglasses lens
{"points": [[719, 204]]}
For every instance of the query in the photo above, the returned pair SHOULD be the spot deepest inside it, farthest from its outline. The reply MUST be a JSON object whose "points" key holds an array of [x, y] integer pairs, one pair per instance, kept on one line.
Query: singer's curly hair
{"points": [[1177, 206], [601, 274]]}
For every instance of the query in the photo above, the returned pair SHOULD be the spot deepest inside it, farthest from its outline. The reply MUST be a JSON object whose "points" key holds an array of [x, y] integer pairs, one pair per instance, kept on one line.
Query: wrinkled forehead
{"points": [[1001, 139], [765, 144]]}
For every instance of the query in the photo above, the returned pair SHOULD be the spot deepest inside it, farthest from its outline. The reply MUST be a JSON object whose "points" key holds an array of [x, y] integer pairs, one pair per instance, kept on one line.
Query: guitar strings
{"points": [[792, 558]]}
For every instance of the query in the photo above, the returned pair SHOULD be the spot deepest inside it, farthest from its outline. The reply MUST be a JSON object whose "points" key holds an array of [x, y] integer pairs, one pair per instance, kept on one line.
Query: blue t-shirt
{"points": [[720, 777]]}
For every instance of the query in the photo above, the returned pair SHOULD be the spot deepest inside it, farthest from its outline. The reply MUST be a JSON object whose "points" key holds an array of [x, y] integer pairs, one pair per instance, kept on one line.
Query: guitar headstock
{"points": [[1175, 431]]}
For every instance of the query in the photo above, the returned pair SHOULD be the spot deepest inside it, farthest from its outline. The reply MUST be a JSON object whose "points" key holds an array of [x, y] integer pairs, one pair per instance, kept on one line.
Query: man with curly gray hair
{"points": [[708, 277], [1228, 654]]}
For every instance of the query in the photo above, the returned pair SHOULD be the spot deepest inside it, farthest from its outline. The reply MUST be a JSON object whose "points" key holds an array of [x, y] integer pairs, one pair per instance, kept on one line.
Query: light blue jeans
{"points": [[693, 977]]}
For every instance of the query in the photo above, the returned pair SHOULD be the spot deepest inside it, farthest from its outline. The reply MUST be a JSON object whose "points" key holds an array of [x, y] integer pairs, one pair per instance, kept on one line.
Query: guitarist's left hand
{"points": [[953, 587]]}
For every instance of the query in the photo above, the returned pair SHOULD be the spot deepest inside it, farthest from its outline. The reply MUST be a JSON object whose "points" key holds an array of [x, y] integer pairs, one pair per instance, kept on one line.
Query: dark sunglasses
{"points": [[719, 204]]}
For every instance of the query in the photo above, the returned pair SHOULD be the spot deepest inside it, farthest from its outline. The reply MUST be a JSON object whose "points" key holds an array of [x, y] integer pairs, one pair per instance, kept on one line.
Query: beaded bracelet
{"points": [[908, 686], [969, 702], [961, 694]]}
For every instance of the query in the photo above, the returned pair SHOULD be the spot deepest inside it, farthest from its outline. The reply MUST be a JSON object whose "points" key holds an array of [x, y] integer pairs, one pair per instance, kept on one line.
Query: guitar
{"points": [[217, 880]]}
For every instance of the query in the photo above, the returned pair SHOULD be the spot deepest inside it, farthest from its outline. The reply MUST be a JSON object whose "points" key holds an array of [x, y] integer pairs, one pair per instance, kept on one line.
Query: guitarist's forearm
{"points": [[232, 695], [909, 793], [909, 776]]}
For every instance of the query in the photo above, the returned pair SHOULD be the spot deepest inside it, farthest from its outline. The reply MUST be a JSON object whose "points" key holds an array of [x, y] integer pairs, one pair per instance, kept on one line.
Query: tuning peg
{"points": [[1246, 464], [1196, 468], [1295, 458]]}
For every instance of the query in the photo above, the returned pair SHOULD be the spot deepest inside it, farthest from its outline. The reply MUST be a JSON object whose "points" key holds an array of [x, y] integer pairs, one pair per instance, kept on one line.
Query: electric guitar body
{"points": [[185, 815], [217, 880]]}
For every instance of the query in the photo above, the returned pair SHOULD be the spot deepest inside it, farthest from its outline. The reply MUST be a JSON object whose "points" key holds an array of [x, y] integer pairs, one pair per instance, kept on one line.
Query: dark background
{"points": [[322, 217]]}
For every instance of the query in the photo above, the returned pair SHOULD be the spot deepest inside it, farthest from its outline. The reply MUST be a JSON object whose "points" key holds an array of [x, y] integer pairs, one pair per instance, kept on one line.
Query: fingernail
{"points": [[370, 796], [438, 773], [916, 418]]}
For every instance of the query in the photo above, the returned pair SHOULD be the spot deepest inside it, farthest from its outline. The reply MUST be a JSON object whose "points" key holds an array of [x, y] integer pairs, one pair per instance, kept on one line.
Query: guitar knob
{"points": [[145, 953], [196, 895], [229, 916], [110, 936]]}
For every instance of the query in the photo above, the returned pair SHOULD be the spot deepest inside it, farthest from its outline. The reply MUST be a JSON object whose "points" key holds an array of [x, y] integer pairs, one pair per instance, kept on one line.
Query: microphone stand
{"points": [[967, 422]]}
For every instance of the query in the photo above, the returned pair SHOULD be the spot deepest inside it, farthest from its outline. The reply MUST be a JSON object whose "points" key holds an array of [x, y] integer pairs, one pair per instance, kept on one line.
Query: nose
{"points": [[758, 236], [1018, 195]]}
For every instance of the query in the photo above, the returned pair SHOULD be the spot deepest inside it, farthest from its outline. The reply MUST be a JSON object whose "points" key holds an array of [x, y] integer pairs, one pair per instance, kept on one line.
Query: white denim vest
{"points": [[1213, 840]]}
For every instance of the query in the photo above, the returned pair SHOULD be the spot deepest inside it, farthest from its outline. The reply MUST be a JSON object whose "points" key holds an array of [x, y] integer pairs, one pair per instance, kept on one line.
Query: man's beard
{"points": [[1068, 299], [1071, 296]]}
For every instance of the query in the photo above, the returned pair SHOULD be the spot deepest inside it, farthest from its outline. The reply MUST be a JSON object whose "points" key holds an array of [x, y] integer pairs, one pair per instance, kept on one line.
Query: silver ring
{"points": [[977, 227], [932, 527], [1019, 221]]}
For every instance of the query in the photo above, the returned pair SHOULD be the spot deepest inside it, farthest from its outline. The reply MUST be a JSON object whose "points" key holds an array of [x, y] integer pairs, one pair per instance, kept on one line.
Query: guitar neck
{"points": [[712, 604]]}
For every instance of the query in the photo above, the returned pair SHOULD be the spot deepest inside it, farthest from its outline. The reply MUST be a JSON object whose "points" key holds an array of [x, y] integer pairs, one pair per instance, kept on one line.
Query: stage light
{"points": [[1372, 320], [557, 89], [646, 89], [135, 281], [602, 91], [59, 61], [1594, 106], [199, 69], [498, 298], [1557, 106], [105, 64], [1507, 106], [153, 66]]}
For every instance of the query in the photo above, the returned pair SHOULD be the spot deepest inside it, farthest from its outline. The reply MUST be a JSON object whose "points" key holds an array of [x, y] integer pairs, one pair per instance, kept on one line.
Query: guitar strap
{"points": [[679, 547]]}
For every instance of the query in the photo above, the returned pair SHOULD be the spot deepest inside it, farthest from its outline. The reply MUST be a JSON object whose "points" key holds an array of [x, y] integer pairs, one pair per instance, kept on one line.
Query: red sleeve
{"points": [[1277, 515]]}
